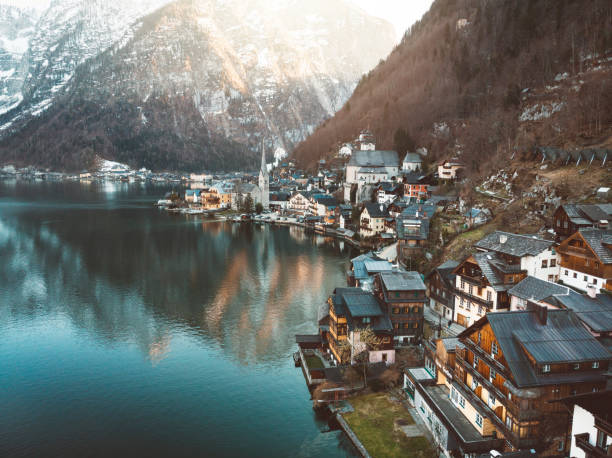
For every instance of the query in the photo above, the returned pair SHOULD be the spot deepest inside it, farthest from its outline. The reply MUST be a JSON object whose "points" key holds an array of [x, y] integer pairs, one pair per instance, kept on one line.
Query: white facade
{"points": [[432, 422], [471, 309], [544, 266], [299, 204], [264, 182], [581, 281], [583, 421]]}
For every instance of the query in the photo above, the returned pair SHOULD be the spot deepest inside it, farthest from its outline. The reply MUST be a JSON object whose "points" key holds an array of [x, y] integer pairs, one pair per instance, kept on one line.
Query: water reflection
{"points": [[127, 272]]}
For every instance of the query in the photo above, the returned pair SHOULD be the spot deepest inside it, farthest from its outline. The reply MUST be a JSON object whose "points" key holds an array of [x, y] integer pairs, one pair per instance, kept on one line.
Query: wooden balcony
{"points": [[582, 442], [472, 297]]}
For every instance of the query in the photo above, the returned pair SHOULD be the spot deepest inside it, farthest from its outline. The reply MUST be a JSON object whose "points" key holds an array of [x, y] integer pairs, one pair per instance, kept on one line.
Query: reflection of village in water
{"points": [[127, 277]]}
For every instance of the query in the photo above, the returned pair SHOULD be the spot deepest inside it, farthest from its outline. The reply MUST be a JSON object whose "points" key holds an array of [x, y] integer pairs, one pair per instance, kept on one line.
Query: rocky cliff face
{"points": [[194, 84]]}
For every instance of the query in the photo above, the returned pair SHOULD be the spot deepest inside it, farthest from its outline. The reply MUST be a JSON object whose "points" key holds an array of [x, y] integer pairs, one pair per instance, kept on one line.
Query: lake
{"points": [[128, 331]]}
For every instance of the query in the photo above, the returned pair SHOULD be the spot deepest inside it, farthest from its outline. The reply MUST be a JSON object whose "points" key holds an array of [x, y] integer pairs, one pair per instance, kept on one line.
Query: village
{"points": [[497, 352], [451, 336]]}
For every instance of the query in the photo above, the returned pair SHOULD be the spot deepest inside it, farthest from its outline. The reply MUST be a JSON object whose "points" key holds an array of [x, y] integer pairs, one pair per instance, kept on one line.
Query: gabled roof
{"points": [[413, 157], [535, 289], [563, 339], [402, 281], [595, 312], [357, 304], [582, 214], [513, 244], [600, 242], [368, 158], [376, 210], [446, 271], [489, 264], [421, 209]]}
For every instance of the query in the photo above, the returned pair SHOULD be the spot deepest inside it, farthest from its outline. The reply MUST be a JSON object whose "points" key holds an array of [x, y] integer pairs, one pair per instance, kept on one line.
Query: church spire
{"points": [[264, 167]]}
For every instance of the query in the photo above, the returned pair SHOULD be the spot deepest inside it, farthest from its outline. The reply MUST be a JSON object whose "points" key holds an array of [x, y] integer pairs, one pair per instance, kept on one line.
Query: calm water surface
{"points": [[128, 331]]}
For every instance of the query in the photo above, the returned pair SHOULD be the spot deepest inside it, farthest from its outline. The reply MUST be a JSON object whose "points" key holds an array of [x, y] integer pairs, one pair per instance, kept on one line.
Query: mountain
{"points": [[192, 84], [17, 26], [483, 79]]}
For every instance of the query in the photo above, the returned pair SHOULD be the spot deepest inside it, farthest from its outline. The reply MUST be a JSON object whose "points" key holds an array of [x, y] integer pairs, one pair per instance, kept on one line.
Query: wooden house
{"points": [[586, 260], [569, 218], [514, 364], [403, 296], [441, 289]]}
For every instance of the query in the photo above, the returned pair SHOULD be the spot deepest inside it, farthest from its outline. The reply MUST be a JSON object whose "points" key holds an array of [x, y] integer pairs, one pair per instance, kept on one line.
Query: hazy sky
{"points": [[401, 13]]}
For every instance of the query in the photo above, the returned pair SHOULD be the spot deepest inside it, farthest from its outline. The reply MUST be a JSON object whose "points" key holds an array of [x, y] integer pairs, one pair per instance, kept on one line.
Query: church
{"points": [[264, 182]]}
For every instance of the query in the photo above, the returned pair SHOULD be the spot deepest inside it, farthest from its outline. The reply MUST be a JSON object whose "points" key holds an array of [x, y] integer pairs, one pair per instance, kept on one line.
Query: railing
{"points": [[499, 367], [483, 380], [582, 441], [485, 302]]}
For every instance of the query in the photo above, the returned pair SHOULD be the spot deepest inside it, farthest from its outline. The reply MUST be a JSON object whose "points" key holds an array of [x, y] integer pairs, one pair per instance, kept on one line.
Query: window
{"points": [[491, 401], [461, 401], [494, 349], [462, 284], [406, 310], [454, 395], [416, 325], [553, 263], [602, 438], [471, 289], [566, 274], [561, 446], [595, 365], [461, 302], [366, 319], [386, 340], [478, 419], [479, 337], [586, 278], [546, 368], [492, 375], [406, 325], [474, 385], [396, 325], [489, 296], [476, 361], [544, 264], [415, 309], [396, 310], [576, 366], [575, 275], [509, 423]]}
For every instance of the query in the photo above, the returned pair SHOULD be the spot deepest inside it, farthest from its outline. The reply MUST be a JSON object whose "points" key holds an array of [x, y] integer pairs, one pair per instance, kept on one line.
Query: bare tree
{"points": [[360, 344]]}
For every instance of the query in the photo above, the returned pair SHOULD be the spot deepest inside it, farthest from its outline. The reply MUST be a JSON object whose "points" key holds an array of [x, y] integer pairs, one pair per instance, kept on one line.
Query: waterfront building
{"points": [[372, 220], [350, 310], [403, 296], [365, 267]]}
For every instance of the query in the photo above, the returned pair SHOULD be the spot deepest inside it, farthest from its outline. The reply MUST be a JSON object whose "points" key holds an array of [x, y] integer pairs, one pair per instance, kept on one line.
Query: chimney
{"points": [[503, 238], [540, 311], [591, 291]]}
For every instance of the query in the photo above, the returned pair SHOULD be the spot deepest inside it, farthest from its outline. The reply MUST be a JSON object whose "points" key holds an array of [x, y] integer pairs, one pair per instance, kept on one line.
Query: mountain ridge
{"points": [[197, 84]]}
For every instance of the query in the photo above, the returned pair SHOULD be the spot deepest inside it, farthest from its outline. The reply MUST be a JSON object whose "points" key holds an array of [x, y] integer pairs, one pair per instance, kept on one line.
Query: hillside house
{"points": [[441, 289], [387, 192], [569, 218], [415, 187], [403, 296], [450, 170], [481, 285], [535, 256], [586, 260], [412, 162]]}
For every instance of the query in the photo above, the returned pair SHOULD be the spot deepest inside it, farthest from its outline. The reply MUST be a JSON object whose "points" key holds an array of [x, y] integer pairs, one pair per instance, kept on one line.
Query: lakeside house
{"points": [[350, 310], [372, 220]]}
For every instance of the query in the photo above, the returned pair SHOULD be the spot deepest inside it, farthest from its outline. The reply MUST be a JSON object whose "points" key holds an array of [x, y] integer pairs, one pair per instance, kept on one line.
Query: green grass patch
{"points": [[374, 423], [314, 362]]}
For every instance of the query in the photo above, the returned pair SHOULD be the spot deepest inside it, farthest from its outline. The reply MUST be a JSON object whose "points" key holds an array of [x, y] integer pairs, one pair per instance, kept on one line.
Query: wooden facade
{"points": [[578, 255], [482, 375]]}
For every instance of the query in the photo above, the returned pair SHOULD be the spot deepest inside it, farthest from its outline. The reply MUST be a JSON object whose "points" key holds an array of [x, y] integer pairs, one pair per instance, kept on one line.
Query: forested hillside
{"points": [[483, 79]]}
